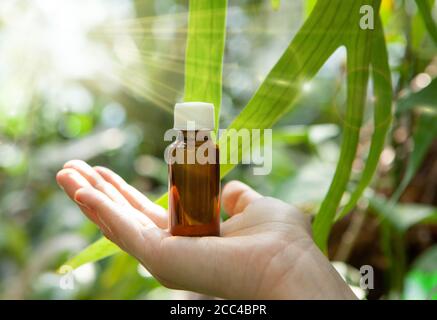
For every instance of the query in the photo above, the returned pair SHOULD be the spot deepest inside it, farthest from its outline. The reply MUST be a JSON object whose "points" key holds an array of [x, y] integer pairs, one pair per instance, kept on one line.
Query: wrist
{"points": [[311, 276]]}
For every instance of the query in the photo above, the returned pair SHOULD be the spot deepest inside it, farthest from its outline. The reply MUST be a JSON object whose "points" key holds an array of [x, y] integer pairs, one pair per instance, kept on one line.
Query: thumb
{"points": [[236, 196]]}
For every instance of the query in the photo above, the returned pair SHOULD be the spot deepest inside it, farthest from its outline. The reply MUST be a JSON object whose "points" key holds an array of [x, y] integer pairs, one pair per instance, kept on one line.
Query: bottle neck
{"points": [[195, 135]]}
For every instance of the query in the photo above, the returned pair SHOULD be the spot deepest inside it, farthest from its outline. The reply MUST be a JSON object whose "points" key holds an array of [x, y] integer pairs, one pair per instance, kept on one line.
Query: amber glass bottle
{"points": [[194, 176]]}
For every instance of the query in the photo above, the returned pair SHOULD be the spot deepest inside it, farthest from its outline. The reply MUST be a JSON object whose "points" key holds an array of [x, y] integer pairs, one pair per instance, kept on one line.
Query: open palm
{"points": [[265, 249]]}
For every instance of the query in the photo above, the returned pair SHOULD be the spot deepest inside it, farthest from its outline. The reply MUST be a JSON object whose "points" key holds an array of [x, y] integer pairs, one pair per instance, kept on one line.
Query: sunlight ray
{"points": [[180, 59], [183, 15], [130, 83]]}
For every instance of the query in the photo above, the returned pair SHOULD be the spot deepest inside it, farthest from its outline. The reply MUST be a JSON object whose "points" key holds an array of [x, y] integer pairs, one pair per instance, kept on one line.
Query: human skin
{"points": [[265, 250]]}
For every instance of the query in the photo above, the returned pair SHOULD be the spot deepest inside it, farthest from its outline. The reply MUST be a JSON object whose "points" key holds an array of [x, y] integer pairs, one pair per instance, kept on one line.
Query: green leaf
{"points": [[425, 97], [425, 10], [311, 135], [358, 43], [426, 131], [100, 249], [163, 201], [318, 38], [309, 6], [403, 216], [204, 52], [382, 115]]}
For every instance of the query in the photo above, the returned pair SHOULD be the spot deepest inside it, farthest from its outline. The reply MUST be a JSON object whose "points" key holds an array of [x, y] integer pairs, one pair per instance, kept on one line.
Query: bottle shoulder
{"points": [[185, 144]]}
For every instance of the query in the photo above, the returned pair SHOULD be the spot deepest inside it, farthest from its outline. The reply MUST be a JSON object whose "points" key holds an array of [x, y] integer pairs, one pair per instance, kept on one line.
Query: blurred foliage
{"points": [[97, 81], [421, 280]]}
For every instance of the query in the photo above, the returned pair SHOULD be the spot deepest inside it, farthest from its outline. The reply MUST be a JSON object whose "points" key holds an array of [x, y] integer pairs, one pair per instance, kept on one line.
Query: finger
{"points": [[121, 226], [155, 212], [236, 196], [141, 240], [71, 181], [96, 180]]}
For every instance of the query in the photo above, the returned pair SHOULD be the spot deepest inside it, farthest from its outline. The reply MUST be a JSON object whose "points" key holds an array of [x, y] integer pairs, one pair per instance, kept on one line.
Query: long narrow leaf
{"points": [[403, 216], [426, 132], [312, 46], [358, 44], [205, 42], [425, 10], [98, 250], [382, 115], [425, 97]]}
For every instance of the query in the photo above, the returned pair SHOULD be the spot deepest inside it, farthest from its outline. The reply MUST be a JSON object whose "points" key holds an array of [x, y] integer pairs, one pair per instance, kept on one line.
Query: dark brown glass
{"points": [[194, 189]]}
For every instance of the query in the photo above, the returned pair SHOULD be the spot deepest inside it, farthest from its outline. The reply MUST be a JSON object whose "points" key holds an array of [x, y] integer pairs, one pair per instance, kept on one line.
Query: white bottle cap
{"points": [[194, 116]]}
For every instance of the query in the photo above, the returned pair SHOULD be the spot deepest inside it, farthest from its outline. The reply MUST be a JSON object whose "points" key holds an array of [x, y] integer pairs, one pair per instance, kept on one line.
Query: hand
{"points": [[265, 250]]}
